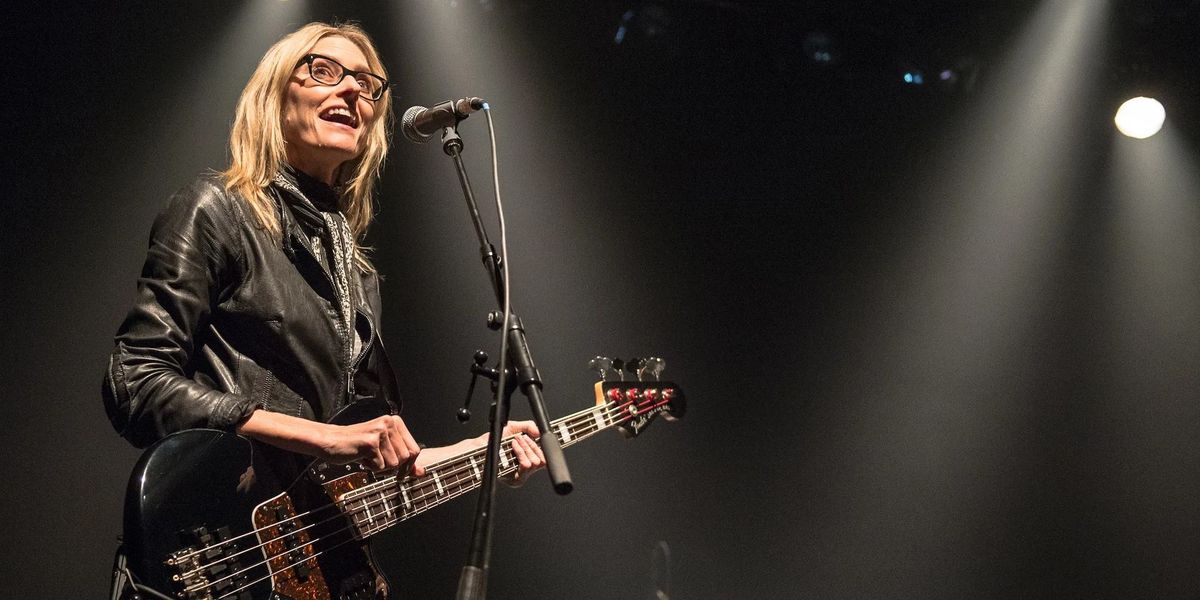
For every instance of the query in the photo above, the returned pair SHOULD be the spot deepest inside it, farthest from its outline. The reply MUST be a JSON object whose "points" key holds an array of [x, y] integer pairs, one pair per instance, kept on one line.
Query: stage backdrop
{"points": [[941, 338]]}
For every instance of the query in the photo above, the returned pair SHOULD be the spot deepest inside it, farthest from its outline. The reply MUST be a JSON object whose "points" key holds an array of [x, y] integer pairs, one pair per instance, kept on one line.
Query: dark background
{"points": [[940, 341]]}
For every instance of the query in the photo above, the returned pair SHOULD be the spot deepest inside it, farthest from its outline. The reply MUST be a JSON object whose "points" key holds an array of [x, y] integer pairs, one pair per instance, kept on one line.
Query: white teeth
{"points": [[341, 111]]}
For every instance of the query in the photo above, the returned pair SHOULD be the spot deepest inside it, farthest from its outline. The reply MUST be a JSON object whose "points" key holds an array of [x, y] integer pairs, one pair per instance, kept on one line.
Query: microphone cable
{"points": [[507, 274]]}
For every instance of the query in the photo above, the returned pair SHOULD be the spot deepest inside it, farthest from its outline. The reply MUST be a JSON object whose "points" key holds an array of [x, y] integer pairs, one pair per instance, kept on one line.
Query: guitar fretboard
{"points": [[381, 504]]}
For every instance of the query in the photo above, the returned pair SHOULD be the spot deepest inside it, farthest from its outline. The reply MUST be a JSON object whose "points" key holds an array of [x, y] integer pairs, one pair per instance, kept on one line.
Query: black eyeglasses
{"points": [[326, 71]]}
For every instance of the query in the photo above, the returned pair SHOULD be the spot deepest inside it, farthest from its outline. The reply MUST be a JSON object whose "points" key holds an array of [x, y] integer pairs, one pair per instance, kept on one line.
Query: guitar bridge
{"points": [[209, 567]]}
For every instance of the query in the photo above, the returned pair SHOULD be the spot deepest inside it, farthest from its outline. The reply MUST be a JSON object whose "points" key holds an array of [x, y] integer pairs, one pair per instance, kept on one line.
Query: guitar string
{"points": [[305, 558], [418, 484], [584, 422], [348, 529], [383, 499], [459, 486], [459, 490], [337, 515], [589, 427], [391, 481], [270, 573], [609, 406]]}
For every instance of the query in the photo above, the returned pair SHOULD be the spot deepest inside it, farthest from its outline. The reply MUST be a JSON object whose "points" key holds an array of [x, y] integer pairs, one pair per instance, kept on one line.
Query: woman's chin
{"points": [[338, 151]]}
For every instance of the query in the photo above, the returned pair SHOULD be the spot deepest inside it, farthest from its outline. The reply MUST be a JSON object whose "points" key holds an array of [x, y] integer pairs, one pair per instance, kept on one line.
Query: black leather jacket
{"points": [[228, 319]]}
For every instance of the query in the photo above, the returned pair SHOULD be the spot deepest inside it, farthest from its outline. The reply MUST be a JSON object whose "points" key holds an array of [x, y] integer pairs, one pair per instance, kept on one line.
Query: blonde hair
{"points": [[256, 144]]}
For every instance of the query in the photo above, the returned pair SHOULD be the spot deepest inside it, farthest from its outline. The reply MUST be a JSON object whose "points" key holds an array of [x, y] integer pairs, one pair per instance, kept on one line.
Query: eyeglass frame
{"points": [[309, 58]]}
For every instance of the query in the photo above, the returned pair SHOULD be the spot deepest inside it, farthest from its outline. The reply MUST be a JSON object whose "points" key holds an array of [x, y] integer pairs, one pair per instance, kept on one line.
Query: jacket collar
{"points": [[306, 197]]}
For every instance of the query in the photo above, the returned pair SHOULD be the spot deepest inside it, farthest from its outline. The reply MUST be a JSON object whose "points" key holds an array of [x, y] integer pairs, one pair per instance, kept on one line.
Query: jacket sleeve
{"points": [[195, 255]]}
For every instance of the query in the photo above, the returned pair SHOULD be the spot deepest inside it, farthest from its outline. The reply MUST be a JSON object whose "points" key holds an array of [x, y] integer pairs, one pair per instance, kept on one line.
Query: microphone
{"points": [[419, 124]]}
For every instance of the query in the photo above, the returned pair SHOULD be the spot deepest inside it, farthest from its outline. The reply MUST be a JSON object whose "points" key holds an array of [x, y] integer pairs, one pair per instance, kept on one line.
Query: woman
{"points": [[257, 309]]}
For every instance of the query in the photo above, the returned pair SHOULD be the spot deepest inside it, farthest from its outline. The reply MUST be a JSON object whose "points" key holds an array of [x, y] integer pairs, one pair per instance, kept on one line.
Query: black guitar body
{"points": [[214, 515]]}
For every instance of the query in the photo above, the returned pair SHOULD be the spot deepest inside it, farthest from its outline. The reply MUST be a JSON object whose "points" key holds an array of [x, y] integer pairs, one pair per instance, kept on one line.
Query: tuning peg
{"points": [[602, 365], [632, 367], [653, 366], [618, 365]]}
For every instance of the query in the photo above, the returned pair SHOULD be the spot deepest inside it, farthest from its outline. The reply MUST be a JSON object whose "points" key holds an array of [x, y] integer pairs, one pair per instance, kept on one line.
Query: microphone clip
{"points": [[477, 370], [452, 143]]}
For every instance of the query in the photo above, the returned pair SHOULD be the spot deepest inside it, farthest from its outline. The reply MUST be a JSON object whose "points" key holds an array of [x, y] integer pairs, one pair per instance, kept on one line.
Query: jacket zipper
{"points": [[348, 388], [366, 347], [304, 243]]}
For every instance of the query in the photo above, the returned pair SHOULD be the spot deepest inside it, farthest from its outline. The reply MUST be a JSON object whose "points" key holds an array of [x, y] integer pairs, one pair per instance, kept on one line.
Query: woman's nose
{"points": [[348, 86]]}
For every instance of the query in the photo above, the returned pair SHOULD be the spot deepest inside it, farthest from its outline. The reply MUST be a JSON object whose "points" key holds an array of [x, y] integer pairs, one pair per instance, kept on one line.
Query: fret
{"points": [[564, 433], [599, 415], [438, 483], [367, 522], [367, 509], [570, 437], [421, 497], [388, 508], [414, 495], [381, 520], [454, 480], [579, 428], [475, 468], [585, 424]]}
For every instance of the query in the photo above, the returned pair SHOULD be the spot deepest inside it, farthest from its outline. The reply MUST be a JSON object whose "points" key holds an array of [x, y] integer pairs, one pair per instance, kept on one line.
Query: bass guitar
{"points": [[211, 515]]}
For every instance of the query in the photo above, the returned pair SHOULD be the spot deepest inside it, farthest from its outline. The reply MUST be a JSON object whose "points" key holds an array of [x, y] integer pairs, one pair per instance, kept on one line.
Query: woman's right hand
{"points": [[381, 444]]}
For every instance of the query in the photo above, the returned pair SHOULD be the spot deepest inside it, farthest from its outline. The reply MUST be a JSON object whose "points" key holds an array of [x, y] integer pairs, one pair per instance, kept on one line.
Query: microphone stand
{"points": [[472, 583]]}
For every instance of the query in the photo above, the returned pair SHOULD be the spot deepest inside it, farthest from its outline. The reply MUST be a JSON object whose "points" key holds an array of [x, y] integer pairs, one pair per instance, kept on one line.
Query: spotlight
{"points": [[1140, 117], [623, 28], [818, 47], [647, 22], [913, 72], [959, 75]]}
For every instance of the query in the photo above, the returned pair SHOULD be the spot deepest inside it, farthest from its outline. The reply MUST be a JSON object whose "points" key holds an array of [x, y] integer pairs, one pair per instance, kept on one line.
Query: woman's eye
{"points": [[322, 72]]}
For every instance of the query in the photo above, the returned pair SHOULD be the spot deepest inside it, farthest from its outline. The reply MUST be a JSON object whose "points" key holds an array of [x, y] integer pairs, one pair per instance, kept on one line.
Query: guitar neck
{"points": [[383, 503]]}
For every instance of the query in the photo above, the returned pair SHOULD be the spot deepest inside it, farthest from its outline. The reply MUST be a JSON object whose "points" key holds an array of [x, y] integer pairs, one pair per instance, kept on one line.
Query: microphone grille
{"points": [[408, 126]]}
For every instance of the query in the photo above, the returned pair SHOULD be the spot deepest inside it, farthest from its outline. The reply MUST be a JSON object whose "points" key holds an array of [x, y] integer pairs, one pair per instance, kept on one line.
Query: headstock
{"points": [[638, 400]]}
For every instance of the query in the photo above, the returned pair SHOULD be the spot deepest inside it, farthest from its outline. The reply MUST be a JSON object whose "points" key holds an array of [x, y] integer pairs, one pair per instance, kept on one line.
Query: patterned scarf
{"points": [[343, 265]]}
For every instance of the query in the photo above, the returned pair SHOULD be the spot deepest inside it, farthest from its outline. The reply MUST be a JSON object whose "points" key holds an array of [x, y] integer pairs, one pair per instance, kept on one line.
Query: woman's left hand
{"points": [[525, 448]]}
